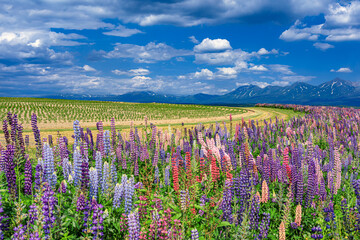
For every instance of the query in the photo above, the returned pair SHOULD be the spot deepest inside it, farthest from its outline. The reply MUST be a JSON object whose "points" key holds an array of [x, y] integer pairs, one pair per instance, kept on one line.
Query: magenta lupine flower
{"points": [[28, 177], [134, 225]]}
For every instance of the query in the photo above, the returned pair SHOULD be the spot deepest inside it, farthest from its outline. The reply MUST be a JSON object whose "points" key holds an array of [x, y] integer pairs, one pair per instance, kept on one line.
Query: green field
{"points": [[55, 110]]}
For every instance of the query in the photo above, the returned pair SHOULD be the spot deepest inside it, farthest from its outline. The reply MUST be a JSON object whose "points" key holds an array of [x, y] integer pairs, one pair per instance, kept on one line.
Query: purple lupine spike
{"points": [[134, 225], [20, 140], [38, 175], [226, 202], [10, 171], [312, 183], [28, 178], [194, 234], [81, 203], [3, 160], [48, 203], [97, 220], [14, 126], [254, 213], [264, 226], [36, 132], [63, 187], [84, 176], [33, 214], [6, 132]]}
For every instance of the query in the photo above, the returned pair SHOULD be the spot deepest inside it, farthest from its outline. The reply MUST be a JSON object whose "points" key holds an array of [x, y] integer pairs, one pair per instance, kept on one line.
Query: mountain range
{"points": [[334, 92]]}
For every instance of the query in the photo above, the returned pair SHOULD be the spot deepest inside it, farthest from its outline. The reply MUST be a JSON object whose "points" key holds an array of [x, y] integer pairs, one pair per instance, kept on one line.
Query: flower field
{"points": [[276, 179]]}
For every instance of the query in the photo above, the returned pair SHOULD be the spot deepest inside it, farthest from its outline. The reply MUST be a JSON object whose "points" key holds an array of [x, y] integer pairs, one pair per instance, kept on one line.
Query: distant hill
{"points": [[334, 92]]}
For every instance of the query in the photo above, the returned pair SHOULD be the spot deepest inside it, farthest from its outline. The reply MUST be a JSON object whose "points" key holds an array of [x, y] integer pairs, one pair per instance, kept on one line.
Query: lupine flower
{"points": [[175, 176], [105, 182], [38, 175], [6, 132], [33, 214], [85, 176], [94, 183], [282, 233], [226, 202], [77, 166], [264, 192], [113, 173], [194, 234], [119, 192], [157, 177], [298, 215], [254, 212], [10, 171], [97, 220], [107, 142], [28, 177], [19, 233], [264, 226], [80, 203], [49, 167], [77, 135], [134, 225], [63, 186], [48, 203], [129, 193]]}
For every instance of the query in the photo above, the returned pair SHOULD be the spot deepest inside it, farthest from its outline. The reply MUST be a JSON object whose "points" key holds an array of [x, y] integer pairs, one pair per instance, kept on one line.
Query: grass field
{"points": [[57, 116]]}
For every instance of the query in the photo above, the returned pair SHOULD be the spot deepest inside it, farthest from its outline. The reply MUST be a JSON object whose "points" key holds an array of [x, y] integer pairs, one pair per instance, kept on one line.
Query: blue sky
{"points": [[174, 47]]}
